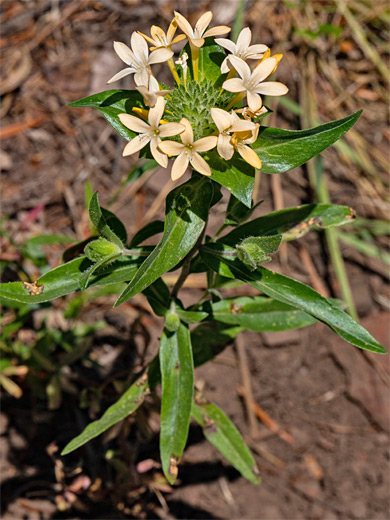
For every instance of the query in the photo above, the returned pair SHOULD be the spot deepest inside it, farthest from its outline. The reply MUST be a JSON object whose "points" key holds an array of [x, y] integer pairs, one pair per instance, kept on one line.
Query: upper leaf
{"points": [[258, 313], [186, 215], [291, 222], [111, 103], [293, 293], [236, 175], [99, 220], [281, 150]]}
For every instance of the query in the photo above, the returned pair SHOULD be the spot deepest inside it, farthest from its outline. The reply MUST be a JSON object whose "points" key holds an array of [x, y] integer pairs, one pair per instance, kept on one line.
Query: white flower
{"points": [[240, 140], [151, 92], [188, 151], [252, 82], [242, 49], [138, 59], [227, 123], [197, 35], [160, 40], [150, 132]]}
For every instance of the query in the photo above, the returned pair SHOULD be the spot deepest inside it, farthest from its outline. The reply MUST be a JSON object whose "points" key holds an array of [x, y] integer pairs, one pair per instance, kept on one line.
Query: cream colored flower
{"points": [[242, 49], [138, 59], [240, 140], [161, 40], [226, 124], [249, 114], [151, 92], [150, 132], [252, 82], [197, 35], [188, 151]]}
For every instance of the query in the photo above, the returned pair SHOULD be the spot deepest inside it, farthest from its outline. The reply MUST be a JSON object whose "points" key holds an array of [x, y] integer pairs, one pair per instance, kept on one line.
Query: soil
{"points": [[322, 446]]}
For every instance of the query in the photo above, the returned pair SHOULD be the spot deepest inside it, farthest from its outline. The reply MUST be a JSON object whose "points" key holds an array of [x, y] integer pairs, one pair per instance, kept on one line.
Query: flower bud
{"points": [[253, 251], [100, 248]]}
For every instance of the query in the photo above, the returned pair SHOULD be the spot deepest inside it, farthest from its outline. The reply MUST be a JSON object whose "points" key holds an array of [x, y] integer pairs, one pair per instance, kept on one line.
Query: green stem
{"points": [[134, 252]]}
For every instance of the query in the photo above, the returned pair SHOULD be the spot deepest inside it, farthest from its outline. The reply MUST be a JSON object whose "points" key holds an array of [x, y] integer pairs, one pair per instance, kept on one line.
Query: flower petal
{"points": [[221, 118], [121, 74], [227, 44], [244, 40], [272, 88], [171, 147], [234, 85], [225, 66], [141, 77], [134, 123], [202, 24], [178, 38], [179, 166], [158, 35], [199, 164], [124, 53], [171, 32], [241, 67], [160, 157], [170, 129], [249, 155], [155, 113], [160, 55], [187, 136], [225, 147], [254, 101], [197, 42], [147, 38], [135, 145], [184, 25], [217, 31], [140, 47], [240, 125], [205, 143], [256, 49], [264, 69]]}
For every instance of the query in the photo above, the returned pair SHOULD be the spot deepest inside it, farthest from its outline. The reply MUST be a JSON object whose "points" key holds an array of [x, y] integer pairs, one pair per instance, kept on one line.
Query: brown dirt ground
{"points": [[330, 400]]}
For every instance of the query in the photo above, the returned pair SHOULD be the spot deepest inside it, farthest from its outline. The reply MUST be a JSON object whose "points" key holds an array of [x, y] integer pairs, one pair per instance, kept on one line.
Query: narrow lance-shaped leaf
{"points": [[291, 222], [100, 222], [65, 279], [221, 432], [127, 404], [207, 340], [293, 293], [281, 150], [186, 216], [111, 103], [259, 314], [177, 379]]}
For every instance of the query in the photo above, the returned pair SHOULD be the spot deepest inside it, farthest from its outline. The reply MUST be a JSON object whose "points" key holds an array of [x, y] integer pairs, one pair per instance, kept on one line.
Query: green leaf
{"points": [[236, 175], [293, 293], [259, 314], [100, 222], [111, 103], [208, 340], [237, 212], [281, 150], [186, 216], [221, 432], [177, 380], [191, 316], [291, 222], [127, 404], [151, 229], [87, 274], [65, 279]]}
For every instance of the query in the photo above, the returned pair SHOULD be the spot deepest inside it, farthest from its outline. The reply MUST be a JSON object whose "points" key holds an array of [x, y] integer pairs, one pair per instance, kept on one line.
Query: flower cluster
{"points": [[204, 114]]}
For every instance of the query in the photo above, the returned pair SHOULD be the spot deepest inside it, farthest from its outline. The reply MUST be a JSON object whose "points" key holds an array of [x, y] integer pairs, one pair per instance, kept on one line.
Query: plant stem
{"points": [[186, 266]]}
